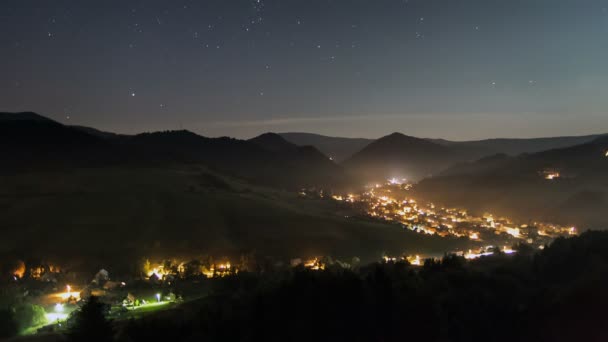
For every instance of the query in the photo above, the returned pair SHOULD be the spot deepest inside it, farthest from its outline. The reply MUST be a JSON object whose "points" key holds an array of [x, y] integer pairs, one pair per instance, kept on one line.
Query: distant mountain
{"points": [[29, 140], [515, 147], [23, 116], [386, 158], [304, 159], [100, 134], [338, 149], [517, 186], [401, 156], [32, 141], [86, 197], [274, 142]]}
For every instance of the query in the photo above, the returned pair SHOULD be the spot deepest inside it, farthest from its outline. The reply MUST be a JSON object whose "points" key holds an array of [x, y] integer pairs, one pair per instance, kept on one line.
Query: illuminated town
{"points": [[393, 202]]}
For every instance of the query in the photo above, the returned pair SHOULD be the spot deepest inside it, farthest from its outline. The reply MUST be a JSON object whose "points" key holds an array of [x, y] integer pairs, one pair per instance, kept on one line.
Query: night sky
{"points": [[457, 69]]}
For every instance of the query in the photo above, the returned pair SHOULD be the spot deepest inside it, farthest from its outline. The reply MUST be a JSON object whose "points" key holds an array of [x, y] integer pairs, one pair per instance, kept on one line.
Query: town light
{"points": [[158, 297], [59, 307]]}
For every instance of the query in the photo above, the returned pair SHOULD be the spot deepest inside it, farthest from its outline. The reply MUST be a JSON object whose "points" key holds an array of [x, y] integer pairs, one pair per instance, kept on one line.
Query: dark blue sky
{"points": [[458, 69]]}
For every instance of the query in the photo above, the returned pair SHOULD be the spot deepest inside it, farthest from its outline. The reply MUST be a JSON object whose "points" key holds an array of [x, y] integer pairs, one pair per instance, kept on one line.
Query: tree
{"points": [[90, 323], [29, 315], [8, 326]]}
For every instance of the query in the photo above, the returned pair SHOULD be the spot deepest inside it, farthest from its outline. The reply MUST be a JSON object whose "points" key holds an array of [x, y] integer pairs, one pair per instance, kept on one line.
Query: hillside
{"points": [[31, 141], [515, 147], [72, 195], [341, 149], [115, 214], [517, 186], [400, 156]]}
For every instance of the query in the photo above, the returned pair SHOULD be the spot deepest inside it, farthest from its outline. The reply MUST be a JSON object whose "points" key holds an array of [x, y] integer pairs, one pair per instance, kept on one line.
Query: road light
{"points": [[59, 307], [158, 297]]}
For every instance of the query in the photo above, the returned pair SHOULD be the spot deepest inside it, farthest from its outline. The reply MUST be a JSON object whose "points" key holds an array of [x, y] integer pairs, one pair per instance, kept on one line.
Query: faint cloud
{"points": [[300, 120]]}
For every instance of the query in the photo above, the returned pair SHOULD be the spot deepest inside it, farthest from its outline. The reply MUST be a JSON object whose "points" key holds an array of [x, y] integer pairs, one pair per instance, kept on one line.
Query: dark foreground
{"points": [[557, 294]]}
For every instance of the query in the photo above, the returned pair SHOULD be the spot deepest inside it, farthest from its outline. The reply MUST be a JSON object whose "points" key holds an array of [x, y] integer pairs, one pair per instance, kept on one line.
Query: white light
{"points": [[59, 307], [158, 297], [54, 317]]}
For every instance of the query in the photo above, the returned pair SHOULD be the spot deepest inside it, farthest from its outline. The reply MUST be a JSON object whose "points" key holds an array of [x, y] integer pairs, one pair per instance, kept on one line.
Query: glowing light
{"points": [[389, 259], [474, 236], [552, 176], [158, 297], [513, 232], [470, 255], [416, 261], [508, 250], [314, 265], [19, 271], [55, 316], [59, 307], [395, 181], [68, 294]]}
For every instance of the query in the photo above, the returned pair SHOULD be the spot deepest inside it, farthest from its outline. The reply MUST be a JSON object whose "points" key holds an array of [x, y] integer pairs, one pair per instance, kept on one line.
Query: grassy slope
{"points": [[112, 213]]}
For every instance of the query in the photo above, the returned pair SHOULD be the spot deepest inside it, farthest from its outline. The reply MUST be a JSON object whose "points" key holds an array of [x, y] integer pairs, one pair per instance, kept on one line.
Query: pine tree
{"points": [[91, 324]]}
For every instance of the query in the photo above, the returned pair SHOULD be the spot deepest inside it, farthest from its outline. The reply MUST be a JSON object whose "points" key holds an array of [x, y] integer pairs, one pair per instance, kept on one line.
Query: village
{"points": [[392, 202], [55, 292], [50, 293]]}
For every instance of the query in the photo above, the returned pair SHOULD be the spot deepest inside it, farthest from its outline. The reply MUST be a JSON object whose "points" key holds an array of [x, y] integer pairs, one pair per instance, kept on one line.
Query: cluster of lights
{"points": [[390, 202], [314, 264], [216, 270], [68, 294], [348, 198], [486, 251]]}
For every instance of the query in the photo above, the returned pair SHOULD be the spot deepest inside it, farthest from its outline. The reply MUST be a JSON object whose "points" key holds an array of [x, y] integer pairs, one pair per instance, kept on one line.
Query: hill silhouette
{"points": [[401, 156], [32, 141], [339, 149], [514, 147], [517, 186], [69, 191]]}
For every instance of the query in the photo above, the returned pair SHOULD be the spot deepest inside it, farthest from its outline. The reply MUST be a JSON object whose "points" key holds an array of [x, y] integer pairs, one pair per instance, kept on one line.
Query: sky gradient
{"points": [[455, 69]]}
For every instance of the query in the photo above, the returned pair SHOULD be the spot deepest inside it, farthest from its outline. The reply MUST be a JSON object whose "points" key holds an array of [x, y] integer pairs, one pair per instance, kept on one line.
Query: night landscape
{"points": [[290, 170]]}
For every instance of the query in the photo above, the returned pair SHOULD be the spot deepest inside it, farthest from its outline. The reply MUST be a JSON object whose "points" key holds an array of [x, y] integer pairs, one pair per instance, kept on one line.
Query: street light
{"points": [[158, 297], [59, 307]]}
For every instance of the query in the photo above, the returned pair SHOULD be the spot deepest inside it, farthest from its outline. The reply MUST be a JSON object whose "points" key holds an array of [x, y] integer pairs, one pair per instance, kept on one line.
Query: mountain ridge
{"points": [[32, 141]]}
